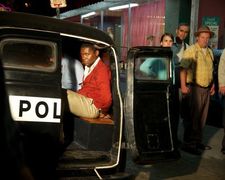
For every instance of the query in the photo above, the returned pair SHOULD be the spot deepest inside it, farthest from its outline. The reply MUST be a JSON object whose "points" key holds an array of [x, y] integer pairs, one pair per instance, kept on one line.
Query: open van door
{"points": [[149, 100], [32, 68]]}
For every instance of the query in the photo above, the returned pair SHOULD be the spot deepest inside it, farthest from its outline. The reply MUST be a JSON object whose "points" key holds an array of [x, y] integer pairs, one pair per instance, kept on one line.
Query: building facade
{"points": [[142, 22]]}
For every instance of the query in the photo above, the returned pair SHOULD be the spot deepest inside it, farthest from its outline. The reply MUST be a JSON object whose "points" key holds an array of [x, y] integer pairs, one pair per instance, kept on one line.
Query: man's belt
{"points": [[195, 84]]}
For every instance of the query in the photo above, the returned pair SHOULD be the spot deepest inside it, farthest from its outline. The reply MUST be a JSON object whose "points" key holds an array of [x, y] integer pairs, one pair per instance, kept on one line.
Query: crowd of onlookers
{"points": [[195, 81]]}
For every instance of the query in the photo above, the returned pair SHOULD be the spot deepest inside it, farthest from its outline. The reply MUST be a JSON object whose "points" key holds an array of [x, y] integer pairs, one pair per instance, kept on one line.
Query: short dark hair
{"points": [[88, 45], [182, 24]]}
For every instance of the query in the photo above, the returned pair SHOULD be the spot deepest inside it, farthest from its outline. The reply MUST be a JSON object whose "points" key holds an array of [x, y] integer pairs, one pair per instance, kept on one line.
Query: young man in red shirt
{"points": [[94, 98]]}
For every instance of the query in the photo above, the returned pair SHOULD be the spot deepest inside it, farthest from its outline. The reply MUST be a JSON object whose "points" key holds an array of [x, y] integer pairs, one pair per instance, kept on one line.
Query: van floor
{"points": [[76, 156]]}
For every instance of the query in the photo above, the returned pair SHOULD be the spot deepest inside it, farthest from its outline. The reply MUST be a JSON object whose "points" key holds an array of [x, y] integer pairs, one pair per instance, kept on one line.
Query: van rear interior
{"points": [[89, 142]]}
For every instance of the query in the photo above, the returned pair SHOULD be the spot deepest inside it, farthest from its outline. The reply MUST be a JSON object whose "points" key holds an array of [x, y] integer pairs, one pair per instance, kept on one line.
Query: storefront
{"points": [[142, 22], [129, 24]]}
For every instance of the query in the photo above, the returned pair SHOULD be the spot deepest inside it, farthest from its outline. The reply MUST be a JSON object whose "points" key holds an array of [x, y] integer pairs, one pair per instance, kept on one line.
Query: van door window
{"points": [[152, 68], [30, 54]]}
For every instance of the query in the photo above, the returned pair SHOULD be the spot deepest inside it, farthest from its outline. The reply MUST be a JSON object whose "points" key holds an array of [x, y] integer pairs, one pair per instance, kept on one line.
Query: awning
{"points": [[94, 7]]}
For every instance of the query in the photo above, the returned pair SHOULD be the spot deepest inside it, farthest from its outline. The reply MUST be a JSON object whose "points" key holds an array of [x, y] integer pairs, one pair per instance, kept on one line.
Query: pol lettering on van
{"points": [[35, 109]]}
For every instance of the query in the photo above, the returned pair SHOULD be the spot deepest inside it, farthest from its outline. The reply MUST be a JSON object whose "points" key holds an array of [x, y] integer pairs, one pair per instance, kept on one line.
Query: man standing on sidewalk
{"points": [[196, 77], [221, 79], [178, 48]]}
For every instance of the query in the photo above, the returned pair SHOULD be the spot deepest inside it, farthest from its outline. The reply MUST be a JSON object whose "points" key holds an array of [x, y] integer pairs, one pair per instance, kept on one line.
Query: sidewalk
{"points": [[210, 165]]}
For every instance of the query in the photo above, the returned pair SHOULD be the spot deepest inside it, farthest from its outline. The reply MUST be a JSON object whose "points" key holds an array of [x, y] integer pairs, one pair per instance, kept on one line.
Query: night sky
{"points": [[43, 7]]}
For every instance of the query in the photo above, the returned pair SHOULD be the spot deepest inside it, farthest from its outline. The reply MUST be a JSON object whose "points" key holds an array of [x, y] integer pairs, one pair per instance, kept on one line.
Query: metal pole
{"points": [[58, 12], [194, 20], [102, 20], [129, 28]]}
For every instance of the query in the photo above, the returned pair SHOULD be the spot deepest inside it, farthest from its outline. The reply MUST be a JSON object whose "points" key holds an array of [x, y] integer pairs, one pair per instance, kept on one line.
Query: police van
{"points": [[56, 143], [31, 49]]}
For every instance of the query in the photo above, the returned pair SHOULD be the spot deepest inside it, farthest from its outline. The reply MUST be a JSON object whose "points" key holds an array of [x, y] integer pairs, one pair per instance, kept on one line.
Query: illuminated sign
{"points": [[58, 3]]}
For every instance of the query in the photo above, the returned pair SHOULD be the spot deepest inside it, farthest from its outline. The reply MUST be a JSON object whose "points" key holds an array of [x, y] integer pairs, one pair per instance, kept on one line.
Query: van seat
{"points": [[94, 134], [98, 120]]}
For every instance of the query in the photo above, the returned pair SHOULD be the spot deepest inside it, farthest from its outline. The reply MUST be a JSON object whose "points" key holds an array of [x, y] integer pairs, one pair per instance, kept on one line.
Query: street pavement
{"points": [[209, 166]]}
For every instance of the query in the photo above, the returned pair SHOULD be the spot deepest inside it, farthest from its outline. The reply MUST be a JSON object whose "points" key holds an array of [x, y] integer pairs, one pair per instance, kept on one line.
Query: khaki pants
{"points": [[81, 106]]}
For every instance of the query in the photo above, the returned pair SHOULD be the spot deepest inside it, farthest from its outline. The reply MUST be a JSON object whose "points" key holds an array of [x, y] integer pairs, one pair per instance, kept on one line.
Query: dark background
{"points": [[42, 7]]}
